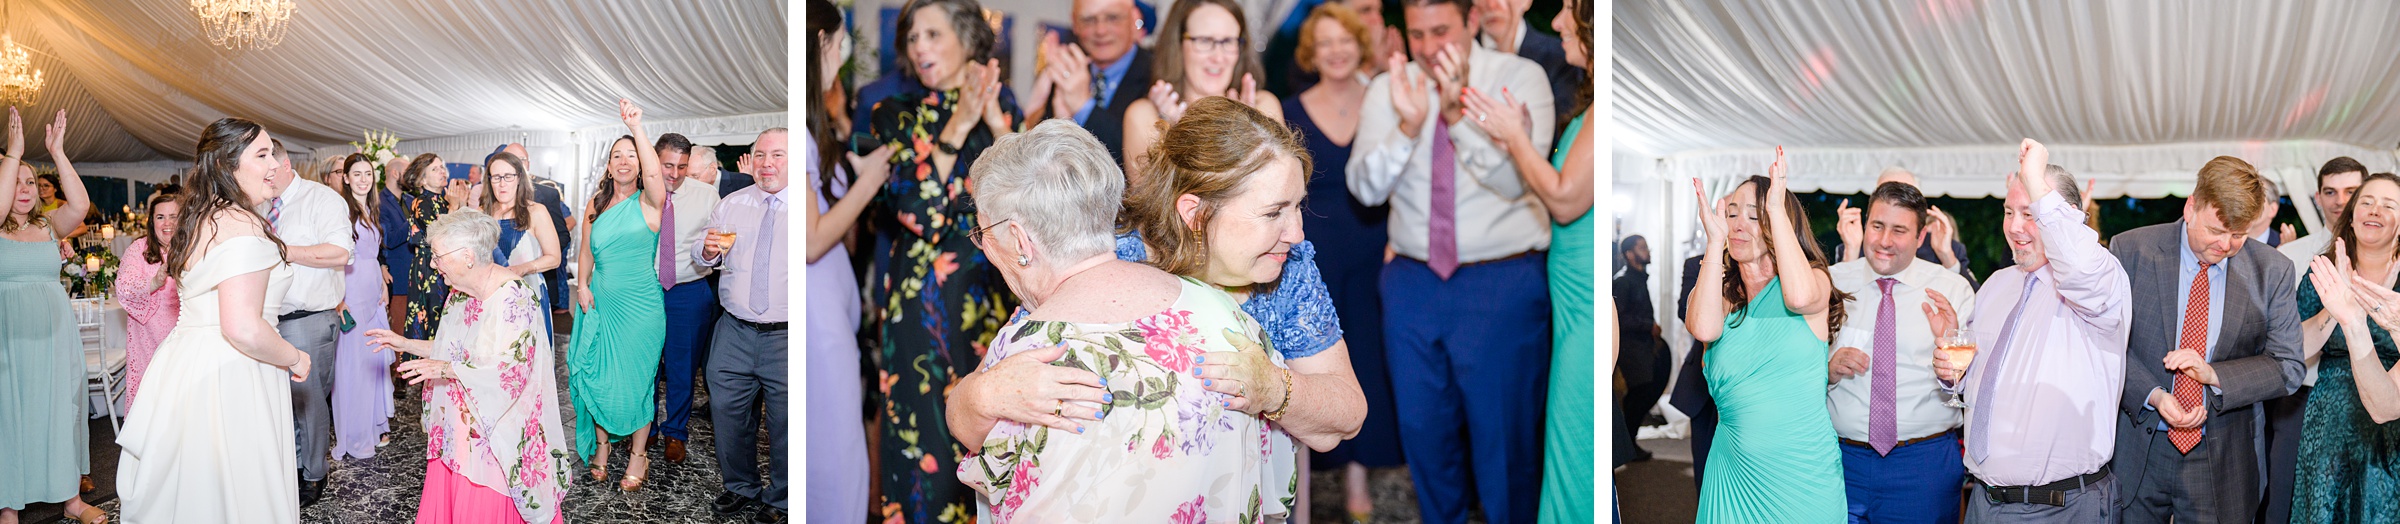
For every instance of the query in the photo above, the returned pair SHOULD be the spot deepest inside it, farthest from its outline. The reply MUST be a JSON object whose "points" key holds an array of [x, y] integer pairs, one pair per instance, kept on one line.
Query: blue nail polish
{"points": [[1228, 403], [1099, 414], [1200, 359], [1208, 383], [1110, 398], [1078, 430], [1104, 382]]}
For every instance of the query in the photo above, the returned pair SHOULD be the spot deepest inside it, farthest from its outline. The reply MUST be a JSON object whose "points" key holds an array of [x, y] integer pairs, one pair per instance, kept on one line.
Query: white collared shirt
{"points": [[313, 214], [2302, 251], [693, 204], [1495, 217], [1918, 404]]}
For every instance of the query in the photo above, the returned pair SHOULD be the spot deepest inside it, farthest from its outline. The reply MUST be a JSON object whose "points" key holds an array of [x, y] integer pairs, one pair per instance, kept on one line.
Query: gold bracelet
{"points": [[1282, 407]]}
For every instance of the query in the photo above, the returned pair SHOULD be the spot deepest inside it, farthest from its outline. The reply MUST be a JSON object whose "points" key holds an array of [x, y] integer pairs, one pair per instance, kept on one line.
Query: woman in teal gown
{"points": [[1766, 327], [2348, 469], [1564, 182], [612, 356]]}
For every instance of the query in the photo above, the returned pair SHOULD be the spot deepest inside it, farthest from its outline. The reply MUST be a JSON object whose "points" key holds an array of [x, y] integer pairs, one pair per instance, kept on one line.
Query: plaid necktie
{"points": [[2195, 336], [1882, 430]]}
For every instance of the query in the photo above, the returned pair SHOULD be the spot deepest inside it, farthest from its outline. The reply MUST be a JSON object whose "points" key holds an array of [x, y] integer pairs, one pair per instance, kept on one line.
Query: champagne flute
{"points": [[725, 235], [1958, 348]]}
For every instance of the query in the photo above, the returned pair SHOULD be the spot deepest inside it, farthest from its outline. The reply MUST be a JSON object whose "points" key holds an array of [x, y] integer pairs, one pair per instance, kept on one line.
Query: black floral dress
{"points": [[941, 302], [426, 290]]}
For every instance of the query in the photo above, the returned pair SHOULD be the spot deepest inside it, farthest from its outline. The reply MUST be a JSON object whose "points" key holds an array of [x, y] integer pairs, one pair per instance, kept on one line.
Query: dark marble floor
{"points": [[385, 488]]}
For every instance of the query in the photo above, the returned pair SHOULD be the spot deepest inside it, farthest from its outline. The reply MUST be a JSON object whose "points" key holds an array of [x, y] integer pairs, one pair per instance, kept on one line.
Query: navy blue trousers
{"points": [[1916, 483], [1470, 365], [691, 313]]}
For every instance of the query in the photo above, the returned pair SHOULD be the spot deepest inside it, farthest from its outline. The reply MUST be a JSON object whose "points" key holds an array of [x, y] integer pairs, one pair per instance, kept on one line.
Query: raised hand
{"points": [[993, 115], [742, 164], [1168, 102], [1503, 120], [1248, 94], [55, 135], [1711, 219], [16, 134], [632, 114], [1944, 230], [1775, 171], [1074, 79], [1450, 74], [2032, 159], [2336, 290], [1408, 95], [1848, 222]]}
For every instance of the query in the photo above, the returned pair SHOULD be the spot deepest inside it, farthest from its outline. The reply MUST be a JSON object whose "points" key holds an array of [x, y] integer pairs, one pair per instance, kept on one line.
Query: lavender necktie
{"points": [[1883, 431], [1978, 429], [1442, 231], [666, 244], [762, 255]]}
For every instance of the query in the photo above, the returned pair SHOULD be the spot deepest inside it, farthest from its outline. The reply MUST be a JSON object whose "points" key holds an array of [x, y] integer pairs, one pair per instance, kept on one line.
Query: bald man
{"points": [[1850, 226]]}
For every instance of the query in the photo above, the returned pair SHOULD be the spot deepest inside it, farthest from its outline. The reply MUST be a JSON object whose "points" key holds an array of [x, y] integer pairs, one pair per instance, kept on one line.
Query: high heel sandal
{"points": [[632, 482], [91, 515]]}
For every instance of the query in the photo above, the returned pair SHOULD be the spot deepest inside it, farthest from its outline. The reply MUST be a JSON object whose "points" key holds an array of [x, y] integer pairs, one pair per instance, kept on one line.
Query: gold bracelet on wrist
{"points": [[1286, 405]]}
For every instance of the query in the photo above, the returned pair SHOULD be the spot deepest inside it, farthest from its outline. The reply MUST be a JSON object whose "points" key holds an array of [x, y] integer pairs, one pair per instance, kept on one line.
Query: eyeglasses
{"points": [[439, 256], [508, 177], [1213, 45], [975, 236]]}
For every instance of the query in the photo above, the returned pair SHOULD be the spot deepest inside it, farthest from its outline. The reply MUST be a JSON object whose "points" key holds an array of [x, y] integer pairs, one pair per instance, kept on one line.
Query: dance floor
{"points": [[1660, 490], [385, 488]]}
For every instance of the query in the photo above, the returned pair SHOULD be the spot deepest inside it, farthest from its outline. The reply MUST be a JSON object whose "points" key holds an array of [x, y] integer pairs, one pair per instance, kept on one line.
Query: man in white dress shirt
{"points": [[1469, 282], [1900, 452], [691, 308], [314, 223]]}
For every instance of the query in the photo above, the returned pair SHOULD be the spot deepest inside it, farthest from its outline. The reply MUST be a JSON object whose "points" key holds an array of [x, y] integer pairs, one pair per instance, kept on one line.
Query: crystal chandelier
{"points": [[20, 83], [244, 24]]}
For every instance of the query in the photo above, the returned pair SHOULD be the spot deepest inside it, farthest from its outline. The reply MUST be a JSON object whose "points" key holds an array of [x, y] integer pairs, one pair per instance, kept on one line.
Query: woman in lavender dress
{"points": [[362, 377]]}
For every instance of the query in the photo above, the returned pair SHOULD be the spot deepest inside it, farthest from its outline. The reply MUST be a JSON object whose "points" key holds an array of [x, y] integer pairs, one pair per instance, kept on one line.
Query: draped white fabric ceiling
{"points": [[140, 81], [2126, 90]]}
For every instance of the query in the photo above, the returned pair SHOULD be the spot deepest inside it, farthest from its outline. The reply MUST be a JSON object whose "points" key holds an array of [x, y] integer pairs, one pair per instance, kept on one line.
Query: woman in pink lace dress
{"points": [[149, 300]]}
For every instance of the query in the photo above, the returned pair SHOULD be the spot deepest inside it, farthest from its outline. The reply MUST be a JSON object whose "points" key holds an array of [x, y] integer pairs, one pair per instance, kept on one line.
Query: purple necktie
{"points": [[1442, 234], [666, 244], [1882, 431], [1978, 430]]}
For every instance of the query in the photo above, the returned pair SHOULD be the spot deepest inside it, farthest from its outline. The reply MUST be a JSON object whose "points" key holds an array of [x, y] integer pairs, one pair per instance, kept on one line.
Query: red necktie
{"points": [[2195, 336]]}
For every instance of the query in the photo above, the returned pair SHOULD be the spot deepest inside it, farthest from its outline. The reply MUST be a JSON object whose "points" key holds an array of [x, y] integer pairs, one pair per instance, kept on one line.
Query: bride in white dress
{"points": [[213, 440]]}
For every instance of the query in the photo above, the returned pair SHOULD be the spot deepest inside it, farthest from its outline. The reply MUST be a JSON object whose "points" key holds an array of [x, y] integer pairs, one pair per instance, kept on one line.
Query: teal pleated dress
{"points": [[612, 356], [45, 444], [1774, 459], [1567, 459]]}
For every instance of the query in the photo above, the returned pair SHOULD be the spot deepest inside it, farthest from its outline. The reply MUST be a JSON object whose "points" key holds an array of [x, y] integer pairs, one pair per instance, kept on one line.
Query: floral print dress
{"points": [[497, 424], [1167, 450], [426, 290], [941, 303]]}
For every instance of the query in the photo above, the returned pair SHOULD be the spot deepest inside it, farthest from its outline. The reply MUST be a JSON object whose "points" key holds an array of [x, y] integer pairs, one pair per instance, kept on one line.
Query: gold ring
{"points": [[1060, 410]]}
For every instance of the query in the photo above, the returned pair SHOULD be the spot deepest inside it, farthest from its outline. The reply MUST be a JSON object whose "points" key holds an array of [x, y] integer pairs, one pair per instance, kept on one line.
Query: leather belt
{"points": [[297, 315], [1918, 440], [2052, 494], [762, 326]]}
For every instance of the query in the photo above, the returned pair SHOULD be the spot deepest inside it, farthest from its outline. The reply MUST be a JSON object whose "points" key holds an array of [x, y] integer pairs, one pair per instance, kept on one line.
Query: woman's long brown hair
{"points": [[608, 186], [491, 191], [1739, 293], [2341, 228], [214, 190]]}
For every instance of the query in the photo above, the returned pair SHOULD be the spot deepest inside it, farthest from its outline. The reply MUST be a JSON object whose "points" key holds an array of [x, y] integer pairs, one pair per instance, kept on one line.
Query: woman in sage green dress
{"points": [[45, 444], [612, 355], [1564, 183], [1766, 327]]}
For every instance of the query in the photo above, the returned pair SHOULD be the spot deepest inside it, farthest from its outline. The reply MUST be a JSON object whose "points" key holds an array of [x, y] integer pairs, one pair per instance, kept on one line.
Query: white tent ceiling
{"points": [[140, 81], [2137, 94]]}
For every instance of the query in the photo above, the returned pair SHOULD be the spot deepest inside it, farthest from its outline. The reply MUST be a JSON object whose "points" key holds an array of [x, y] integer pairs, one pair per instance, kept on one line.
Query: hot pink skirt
{"points": [[450, 497]]}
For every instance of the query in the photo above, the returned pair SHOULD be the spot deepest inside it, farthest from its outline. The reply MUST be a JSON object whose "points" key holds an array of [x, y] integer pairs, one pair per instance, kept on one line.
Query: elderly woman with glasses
{"points": [[495, 450], [1160, 446]]}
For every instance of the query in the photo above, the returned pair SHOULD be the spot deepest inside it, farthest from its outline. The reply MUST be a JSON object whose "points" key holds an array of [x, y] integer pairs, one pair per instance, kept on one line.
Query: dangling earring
{"points": [[1200, 244]]}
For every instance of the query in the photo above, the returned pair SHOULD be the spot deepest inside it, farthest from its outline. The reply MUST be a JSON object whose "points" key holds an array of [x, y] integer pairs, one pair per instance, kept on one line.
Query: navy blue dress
{"points": [[1350, 238]]}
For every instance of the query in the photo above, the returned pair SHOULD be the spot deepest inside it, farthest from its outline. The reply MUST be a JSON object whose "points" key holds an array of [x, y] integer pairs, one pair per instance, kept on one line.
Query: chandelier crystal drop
{"points": [[20, 82], [244, 24]]}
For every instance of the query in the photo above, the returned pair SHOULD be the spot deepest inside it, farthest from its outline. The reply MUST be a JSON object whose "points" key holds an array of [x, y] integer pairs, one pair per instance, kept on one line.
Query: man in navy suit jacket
{"points": [[1504, 30]]}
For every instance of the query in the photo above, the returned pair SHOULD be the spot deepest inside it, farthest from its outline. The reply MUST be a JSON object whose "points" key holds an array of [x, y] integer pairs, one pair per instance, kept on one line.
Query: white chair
{"points": [[104, 367]]}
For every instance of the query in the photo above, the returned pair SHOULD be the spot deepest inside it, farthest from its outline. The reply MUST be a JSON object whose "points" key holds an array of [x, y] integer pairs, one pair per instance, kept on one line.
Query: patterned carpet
{"points": [[385, 488]]}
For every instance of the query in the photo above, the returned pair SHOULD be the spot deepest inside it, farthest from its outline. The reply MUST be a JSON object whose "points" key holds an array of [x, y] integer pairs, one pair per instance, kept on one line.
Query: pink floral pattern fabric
{"points": [[1167, 450], [150, 310], [497, 423]]}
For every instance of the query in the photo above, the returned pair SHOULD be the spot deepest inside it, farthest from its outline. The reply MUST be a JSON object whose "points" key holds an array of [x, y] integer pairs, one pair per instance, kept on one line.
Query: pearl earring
{"points": [[1024, 261]]}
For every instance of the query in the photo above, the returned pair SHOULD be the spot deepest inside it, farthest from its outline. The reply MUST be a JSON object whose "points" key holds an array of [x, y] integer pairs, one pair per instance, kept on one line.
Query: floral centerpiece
{"points": [[378, 145], [91, 272]]}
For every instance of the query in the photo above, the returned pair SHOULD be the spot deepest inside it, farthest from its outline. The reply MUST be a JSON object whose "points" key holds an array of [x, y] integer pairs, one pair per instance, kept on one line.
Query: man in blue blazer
{"points": [[1504, 30]]}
